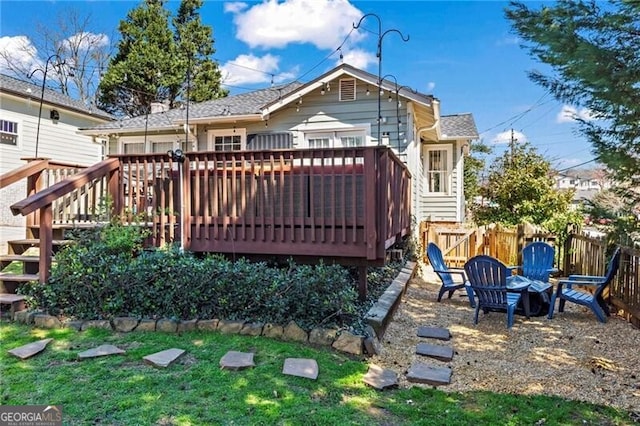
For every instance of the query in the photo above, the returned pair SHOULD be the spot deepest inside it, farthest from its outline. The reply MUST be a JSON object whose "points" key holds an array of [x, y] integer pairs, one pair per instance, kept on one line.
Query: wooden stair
{"points": [[23, 261]]}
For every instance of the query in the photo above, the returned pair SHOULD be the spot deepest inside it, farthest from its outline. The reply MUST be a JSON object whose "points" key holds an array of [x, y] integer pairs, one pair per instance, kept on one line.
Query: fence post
{"points": [[471, 250], [493, 245], [566, 262], [519, 243]]}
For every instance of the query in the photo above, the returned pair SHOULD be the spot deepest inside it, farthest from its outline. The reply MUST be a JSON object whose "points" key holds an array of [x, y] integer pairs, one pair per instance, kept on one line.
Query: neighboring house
{"points": [[58, 139], [337, 109], [586, 182]]}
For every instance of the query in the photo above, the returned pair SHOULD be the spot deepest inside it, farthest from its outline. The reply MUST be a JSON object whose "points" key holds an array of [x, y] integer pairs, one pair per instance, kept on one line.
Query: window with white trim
{"points": [[227, 139], [132, 147], [8, 132], [438, 165], [336, 139]]}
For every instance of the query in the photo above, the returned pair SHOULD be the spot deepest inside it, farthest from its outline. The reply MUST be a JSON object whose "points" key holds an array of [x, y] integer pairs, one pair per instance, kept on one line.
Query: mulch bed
{"points": [[572, 356]]}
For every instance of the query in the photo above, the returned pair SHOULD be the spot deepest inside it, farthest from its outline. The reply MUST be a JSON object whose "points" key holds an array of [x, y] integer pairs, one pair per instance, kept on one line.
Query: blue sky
{"points": [[463, 53]]}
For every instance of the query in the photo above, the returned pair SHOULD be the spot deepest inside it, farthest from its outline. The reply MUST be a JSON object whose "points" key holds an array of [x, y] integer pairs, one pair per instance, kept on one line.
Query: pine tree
{"points": [[195, 45], [593, 49], [154, 61]]}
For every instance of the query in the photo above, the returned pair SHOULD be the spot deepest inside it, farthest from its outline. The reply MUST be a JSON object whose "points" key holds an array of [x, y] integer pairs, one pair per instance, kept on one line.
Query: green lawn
{"points": [[122, 390]]}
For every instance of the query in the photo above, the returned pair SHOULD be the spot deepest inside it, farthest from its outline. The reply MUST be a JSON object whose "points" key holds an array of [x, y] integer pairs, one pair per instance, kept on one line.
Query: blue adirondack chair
{"points": [[537, 261], [537, 266], [488, 279], [446, 274], [566, 293]]}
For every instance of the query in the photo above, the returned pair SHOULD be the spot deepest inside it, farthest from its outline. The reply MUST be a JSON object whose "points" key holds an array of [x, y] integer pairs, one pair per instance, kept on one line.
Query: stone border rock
{"points": [[378, 317], [381, 313]]}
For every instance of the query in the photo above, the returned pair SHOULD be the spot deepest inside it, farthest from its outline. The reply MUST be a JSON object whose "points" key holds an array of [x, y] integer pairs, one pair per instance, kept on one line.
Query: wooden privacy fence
{"points": [[459, 244], [580, 254], [589, 256]]}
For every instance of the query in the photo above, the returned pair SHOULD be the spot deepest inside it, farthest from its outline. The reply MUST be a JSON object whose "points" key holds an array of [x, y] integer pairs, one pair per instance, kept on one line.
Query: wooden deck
{"points": [[342, 205]]}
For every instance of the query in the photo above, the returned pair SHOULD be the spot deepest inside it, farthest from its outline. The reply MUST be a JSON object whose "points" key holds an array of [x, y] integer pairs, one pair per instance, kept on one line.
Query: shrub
{"points": [[110, 276]]}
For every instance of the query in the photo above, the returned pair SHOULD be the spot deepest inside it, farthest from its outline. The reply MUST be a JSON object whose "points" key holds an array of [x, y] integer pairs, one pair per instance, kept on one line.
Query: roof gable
{"points": [[338, 72], [458, 126]]}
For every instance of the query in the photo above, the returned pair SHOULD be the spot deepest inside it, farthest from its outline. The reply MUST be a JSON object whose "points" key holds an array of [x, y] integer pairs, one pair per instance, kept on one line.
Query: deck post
{"points": [[362, 283], [35, 183], [46, 242]]}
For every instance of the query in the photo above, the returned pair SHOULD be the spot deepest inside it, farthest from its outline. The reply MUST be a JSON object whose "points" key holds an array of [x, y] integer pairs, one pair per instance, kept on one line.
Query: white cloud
{"points": [[250, 69], [19, 52], [505, 137], [569, 114], [86, 41], [235, 7], [359, 58], [273, 24], [430, 86]]}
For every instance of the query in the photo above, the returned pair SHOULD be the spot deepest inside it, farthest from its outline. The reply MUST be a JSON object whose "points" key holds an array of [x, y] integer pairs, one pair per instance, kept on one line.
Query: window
{"points": [[162, 147], [336, 139], [227, 139], [320, 141], [8, 132], [227, 143], [133, 147], [438, 166]]}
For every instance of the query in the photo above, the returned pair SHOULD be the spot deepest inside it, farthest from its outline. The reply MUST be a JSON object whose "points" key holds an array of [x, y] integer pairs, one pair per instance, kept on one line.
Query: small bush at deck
{"points": [[110, 276]]}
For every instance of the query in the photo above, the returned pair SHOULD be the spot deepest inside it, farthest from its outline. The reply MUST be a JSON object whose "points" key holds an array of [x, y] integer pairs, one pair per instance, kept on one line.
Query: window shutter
{"points": [[263, 141], [348, 89]]}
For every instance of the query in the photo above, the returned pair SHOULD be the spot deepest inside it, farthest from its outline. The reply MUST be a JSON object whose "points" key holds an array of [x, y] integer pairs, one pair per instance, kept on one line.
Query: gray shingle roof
{"points": [[243, 104], [27, 89], [458, 126]]}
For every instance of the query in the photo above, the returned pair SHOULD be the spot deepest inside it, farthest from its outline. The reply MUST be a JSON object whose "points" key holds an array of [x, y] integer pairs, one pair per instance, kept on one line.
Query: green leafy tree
{"points": [[154, 61], [593, 49], [519, 189], [474, 165]]}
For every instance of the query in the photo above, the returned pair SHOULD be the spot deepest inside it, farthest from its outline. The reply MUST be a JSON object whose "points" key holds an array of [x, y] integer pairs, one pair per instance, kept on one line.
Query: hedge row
{"points": [[108, 275]]}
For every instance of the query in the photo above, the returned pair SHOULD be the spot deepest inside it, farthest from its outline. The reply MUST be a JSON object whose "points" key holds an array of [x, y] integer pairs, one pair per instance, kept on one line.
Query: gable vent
{"points": [[348, 89]]}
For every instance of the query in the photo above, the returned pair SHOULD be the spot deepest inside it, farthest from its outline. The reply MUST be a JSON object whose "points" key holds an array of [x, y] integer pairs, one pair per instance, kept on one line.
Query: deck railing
{"points": [[347, 205], [339, 203]]}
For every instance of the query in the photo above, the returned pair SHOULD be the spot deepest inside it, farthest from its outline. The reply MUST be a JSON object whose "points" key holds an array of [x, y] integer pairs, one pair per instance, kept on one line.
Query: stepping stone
{"points": [[164, 358], [301, 367], [102, 350], [434, 333], [380, 378], [439, 352], [31, 349], [234, 360], [423, 373]]}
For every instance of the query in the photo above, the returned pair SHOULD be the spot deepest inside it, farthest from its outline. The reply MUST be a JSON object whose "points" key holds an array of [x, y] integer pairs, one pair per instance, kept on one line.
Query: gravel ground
{"points": [[572, 356]]}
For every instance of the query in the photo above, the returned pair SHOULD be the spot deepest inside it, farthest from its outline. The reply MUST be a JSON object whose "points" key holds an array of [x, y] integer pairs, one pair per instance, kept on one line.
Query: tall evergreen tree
{"points": [[153, 61], [195, 46], [593, 49]]}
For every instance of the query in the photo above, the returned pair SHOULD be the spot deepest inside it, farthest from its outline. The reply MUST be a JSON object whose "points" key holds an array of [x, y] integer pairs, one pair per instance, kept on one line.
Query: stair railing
{"points": [[38, 206]]}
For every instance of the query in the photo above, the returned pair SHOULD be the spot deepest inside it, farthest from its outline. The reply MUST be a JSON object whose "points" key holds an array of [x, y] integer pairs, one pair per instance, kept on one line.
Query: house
{"points": [[341, 108], [37, 123], [586, 182]]}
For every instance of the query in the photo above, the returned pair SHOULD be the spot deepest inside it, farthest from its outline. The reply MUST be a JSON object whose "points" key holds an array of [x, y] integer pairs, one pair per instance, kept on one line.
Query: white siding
{"points": [[441, 207], [57, 141]]}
